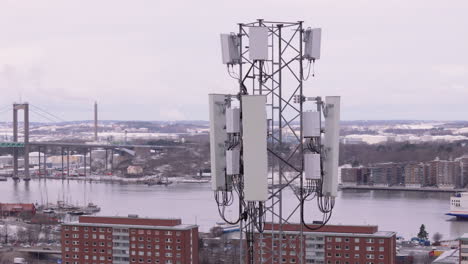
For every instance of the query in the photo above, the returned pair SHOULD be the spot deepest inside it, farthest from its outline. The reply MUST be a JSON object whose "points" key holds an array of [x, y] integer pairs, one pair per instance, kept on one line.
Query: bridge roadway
{"points": [[81, 145]]}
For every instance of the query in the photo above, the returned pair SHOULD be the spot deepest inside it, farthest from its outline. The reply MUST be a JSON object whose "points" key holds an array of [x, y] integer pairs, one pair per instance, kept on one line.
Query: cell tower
{"points": [[267, 139]]}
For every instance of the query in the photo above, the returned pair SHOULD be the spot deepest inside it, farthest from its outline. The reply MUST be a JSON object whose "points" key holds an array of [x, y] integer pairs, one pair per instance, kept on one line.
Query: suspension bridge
{"points": [[65, 148]]}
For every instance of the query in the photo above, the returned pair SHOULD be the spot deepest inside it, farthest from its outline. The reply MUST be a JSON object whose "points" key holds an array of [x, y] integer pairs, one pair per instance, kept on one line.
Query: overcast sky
{"points": [[158, 60]]}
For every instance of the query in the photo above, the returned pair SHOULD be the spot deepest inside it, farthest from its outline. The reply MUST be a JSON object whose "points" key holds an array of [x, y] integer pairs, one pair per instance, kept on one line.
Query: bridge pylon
{"points": [[25, 108]]}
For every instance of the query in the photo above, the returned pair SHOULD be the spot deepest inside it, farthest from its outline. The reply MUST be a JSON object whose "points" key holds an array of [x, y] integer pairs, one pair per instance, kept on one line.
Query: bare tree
{"points": [[436, 238], [4, 232]]}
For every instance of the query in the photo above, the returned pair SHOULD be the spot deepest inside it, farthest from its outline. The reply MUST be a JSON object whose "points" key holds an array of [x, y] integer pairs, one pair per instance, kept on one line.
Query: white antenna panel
{"points": [[233, 120], [312, 168], [232, 161], [312, 39], [218, 137], [311, 124], [258, 43], [331, 145], [229, 49], [254, 142]]}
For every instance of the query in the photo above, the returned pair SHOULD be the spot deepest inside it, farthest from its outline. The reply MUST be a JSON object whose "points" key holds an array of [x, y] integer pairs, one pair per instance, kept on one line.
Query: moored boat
{"points": [[459, 205]]}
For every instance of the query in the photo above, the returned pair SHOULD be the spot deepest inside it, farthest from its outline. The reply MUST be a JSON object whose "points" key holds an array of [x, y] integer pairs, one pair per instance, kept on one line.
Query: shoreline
{"points": [[399, 188], [118, 180]]}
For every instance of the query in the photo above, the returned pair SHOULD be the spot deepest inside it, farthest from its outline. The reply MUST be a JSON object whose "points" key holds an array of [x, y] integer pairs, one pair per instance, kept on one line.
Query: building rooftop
{"points": [[132, 221], [464, 237], [448, 257], [176, 227], [334, 230]]}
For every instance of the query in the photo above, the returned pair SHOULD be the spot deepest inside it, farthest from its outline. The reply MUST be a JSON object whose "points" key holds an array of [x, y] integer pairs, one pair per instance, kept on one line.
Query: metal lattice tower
{"points": [[281, 80], [278, 76]]}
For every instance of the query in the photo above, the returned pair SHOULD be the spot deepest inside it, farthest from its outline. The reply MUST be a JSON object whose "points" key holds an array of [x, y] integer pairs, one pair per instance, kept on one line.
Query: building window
{"points": [[346, 239], [338, 255], [381, 256], [381, 249], [369, 248], [381, 241], [329, 239], [369, 240], [346, 247], [337, 239], [337, 247], [356, 240], [369, 256], [356, 255], [356, 248]]}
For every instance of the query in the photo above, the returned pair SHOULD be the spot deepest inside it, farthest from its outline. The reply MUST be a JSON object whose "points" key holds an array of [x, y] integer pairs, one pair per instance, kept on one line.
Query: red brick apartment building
{"points": [[331, 244], [17, 209], [118, 240]]}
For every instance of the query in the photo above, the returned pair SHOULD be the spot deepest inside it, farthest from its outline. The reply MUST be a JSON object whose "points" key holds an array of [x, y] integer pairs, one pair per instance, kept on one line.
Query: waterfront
{"points": [[401, 211]]}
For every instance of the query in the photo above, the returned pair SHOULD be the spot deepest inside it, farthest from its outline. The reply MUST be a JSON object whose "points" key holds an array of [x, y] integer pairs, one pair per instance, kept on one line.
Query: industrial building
{"points": [[129, 240], [331, 244]]}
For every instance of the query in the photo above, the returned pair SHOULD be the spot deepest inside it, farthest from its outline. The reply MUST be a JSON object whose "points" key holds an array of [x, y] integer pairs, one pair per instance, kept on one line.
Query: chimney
{"points": [[95, 122]]}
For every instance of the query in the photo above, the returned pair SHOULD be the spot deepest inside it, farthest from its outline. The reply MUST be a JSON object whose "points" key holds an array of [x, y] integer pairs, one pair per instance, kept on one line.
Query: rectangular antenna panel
{"points": [[312, 166], [331, 145], [312, 39], [218, 137], [233, 120], [311, 124], [232, 161], [258, 43], [255, 147], [229, 49]]}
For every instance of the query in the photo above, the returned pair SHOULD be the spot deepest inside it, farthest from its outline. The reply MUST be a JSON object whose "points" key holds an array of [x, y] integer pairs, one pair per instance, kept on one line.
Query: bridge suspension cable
{"points": [[47, 113]]}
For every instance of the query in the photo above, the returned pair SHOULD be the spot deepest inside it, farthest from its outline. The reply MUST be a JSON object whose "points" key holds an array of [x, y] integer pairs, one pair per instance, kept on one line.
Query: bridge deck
{"points": [[80, 145]]}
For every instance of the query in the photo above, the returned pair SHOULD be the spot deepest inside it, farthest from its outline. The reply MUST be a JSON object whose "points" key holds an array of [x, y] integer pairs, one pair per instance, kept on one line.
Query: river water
{"points": [[398, 211]]}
